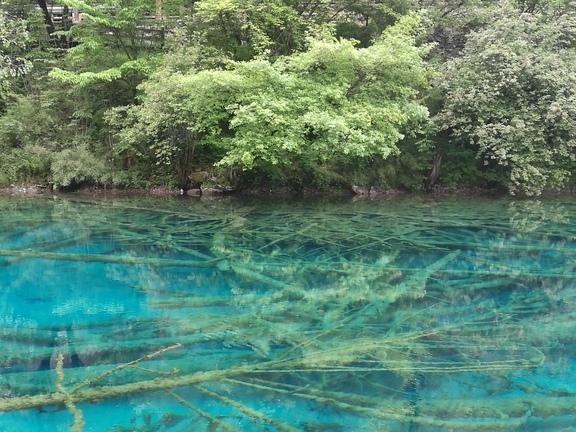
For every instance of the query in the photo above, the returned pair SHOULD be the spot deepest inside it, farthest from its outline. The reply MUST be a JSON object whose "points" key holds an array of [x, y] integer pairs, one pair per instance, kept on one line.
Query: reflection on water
{"points": [[178, 315]]}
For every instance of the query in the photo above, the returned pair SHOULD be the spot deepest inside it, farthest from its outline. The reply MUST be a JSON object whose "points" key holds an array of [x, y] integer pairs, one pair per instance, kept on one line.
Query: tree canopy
{"points": [[385, 93], [333, 99], [512, 95]]}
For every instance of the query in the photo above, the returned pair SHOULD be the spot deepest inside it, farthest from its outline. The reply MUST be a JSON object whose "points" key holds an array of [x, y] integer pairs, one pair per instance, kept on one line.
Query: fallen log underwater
{"points": [[112, 259]]}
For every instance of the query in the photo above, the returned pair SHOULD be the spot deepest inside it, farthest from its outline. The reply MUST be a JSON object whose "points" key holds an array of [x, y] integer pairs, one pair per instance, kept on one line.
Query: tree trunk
{"points": [[158, 9], [435, 172], [47, 17]]}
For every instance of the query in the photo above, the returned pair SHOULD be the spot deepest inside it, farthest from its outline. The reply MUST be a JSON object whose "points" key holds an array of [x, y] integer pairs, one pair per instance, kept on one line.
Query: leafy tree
{"points": [[243, 29], [333, 100], [512, 96], [112, 43], [451, 21], [13, 38], [362, 20]]}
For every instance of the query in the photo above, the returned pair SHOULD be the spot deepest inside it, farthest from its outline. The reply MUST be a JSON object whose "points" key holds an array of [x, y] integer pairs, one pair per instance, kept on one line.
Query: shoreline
{"points": [[360, 192], [357, 193]]}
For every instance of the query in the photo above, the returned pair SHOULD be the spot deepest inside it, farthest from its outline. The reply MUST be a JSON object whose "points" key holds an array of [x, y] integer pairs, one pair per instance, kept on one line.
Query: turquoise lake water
{"points": [[237, 315]]}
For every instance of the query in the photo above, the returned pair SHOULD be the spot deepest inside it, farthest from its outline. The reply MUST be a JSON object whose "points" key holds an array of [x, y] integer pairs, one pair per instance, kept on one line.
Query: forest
{"points": [[409, 95]]}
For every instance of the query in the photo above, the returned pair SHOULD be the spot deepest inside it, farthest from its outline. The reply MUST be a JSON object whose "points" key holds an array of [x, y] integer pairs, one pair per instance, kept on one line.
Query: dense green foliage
{"points": [[386, 93], [512, 95], [333, 100]]}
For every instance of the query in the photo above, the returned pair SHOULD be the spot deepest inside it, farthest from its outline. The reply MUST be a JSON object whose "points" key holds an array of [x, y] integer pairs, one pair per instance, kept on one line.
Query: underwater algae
{"points": [[401, 315]]}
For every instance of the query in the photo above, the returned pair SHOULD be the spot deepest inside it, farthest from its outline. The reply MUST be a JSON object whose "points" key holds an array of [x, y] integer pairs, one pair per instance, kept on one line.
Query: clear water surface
{"points": [[227, 315]]}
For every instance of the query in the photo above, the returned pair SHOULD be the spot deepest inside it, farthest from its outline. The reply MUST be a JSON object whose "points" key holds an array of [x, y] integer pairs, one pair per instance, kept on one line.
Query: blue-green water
{"points": [[181, 315]]}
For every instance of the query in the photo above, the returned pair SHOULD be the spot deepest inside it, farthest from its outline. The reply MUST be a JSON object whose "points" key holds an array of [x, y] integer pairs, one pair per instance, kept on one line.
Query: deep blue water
{"points": [[187, 315]]}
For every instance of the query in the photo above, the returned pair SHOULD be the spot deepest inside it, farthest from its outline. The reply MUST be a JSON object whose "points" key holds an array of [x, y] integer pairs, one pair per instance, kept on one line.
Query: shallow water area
{"points": [[407, 314]]}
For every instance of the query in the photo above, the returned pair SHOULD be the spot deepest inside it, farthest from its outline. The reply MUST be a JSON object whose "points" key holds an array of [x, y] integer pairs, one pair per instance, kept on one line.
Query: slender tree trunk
{"points": [[66, 24], [435, 172], [47, 17], [158, 9]]}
